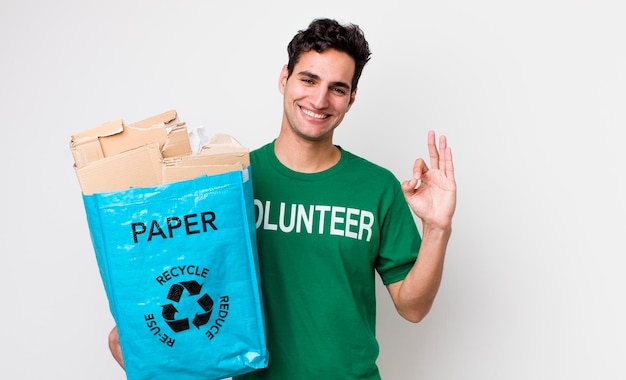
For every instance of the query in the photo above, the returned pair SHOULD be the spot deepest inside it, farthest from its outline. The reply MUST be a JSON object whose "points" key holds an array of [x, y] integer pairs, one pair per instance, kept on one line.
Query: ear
{"points": [[282, 79]]}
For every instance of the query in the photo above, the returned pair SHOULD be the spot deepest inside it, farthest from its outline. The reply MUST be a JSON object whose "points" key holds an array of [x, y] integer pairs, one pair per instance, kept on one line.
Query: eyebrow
{"points": [[317, 77]]}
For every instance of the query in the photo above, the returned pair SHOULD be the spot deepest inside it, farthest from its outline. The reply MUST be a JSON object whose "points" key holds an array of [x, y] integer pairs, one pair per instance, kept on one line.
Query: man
{"points": [[330, 220]]}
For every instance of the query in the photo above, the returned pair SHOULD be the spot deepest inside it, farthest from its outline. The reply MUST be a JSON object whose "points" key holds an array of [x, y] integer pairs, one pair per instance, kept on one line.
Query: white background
{"points": [[531, 94]]}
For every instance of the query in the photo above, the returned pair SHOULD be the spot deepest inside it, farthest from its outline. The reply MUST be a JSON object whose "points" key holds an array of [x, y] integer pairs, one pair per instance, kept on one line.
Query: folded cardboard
{"points": [[116, 156]]}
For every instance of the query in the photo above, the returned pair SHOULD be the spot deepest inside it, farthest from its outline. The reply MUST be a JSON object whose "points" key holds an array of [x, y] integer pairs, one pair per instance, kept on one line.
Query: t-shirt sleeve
{"points": [[400, 240]]}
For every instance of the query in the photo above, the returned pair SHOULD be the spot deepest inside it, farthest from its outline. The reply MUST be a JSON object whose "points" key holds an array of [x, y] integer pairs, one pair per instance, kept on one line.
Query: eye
{"points": [[340, 90]]}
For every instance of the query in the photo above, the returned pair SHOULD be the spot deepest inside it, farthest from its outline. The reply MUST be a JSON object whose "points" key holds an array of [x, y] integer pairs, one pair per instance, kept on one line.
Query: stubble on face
{"points": [[317, 95]]}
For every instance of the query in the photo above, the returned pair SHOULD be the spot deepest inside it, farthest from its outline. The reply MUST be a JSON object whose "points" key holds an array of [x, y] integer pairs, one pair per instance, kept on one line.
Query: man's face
{"points": [[318, 94]]}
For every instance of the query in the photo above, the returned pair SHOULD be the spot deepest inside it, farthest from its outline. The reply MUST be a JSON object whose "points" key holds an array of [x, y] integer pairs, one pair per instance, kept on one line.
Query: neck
{"points": [[306, 156]]}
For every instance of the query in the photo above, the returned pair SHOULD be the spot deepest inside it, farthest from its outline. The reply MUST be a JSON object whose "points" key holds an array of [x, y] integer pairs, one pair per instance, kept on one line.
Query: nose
{"points": [[320, 98]]}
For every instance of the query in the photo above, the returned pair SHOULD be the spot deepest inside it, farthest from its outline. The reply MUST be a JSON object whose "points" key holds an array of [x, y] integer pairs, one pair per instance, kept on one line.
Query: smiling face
{"points": [[317, 95]]}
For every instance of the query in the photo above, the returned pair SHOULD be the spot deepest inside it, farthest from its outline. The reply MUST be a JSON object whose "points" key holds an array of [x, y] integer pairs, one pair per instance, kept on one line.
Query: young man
{"points": [[330, 220]]}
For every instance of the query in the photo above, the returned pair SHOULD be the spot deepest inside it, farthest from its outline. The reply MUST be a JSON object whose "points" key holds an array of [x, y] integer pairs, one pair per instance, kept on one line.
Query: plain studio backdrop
{"points": [[531, 95]]}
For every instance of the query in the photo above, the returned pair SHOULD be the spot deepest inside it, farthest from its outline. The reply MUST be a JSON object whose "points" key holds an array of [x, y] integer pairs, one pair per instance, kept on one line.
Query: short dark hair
{"points": [[324, 33]]}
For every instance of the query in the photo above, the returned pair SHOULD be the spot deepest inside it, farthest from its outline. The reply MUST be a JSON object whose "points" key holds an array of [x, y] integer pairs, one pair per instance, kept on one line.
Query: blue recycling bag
{"points": [[179, 266]]}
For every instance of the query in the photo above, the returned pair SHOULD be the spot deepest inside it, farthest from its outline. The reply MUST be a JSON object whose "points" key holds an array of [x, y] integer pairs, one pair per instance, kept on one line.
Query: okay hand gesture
{"points": [[431, 193]]}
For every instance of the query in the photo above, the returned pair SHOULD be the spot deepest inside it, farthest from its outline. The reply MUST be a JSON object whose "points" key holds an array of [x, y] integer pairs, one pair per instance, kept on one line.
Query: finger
{"points": [[419, 168], [449, 164], [432, 150], [443, 144], [408, 186]]}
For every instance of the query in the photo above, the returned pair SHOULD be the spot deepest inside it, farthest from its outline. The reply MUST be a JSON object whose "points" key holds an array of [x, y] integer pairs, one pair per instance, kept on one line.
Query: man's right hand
{"points": [[115, 347]]}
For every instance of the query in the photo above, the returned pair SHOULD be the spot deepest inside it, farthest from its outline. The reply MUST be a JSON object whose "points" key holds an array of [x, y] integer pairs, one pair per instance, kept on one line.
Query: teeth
{"points": [[315, 115]]}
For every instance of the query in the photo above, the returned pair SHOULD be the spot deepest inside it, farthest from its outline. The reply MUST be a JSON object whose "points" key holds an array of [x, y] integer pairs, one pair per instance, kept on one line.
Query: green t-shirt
{"points": [[321, 237]]}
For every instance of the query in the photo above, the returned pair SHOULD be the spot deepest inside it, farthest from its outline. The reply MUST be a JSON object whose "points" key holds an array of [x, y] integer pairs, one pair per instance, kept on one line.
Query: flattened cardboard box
{"points": [[117, 156]]}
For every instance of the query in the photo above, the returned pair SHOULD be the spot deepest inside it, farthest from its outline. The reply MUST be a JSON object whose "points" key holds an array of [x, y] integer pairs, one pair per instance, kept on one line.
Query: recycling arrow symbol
{"points": [[175, 294]]}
